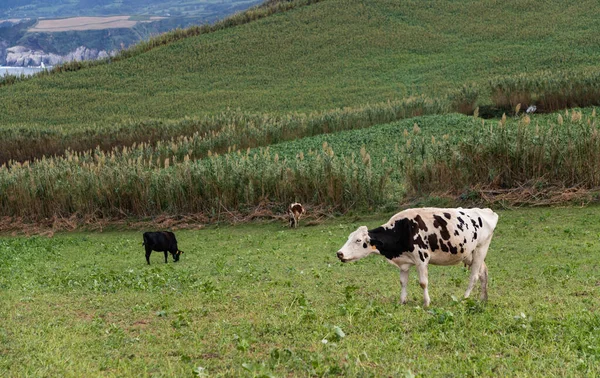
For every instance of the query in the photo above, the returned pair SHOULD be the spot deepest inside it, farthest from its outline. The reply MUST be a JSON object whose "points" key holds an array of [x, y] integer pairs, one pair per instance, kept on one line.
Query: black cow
{"points": [[162, 241]]}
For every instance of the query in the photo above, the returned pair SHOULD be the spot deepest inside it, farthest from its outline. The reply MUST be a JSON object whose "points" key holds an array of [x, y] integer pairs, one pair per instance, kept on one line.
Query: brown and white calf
{"points": [[295, 210], [426, 236]]}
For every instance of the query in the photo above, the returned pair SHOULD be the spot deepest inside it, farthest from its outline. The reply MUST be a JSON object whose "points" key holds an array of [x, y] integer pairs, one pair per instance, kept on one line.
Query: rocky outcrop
{"points": [[20, 56], [3, 46]]}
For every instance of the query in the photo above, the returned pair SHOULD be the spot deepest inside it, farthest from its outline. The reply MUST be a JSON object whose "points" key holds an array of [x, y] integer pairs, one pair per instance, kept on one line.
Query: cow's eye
{"points": [[359, 241]]}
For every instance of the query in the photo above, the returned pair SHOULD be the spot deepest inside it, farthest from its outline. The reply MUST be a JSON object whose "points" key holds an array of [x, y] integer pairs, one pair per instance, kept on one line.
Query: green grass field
{"points": [[331, 54], [259, 299], [263, 300]]}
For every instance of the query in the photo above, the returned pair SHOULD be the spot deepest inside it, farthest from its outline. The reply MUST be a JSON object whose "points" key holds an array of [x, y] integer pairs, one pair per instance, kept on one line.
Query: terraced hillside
{"points": [[330, 54]]}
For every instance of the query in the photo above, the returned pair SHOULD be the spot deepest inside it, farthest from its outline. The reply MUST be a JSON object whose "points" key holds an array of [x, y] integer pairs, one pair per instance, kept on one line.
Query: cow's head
{"points": [[357, 246], [176, 255]]}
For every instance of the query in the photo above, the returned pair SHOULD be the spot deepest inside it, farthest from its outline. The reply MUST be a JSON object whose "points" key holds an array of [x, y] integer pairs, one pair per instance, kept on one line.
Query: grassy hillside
{"points": [[263, 300], [326, 55]]}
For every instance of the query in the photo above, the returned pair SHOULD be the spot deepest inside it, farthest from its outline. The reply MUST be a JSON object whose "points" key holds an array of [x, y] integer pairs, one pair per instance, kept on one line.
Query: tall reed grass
{"points": [[562, 151], [546, 151], [549, 91], [107, 186]]}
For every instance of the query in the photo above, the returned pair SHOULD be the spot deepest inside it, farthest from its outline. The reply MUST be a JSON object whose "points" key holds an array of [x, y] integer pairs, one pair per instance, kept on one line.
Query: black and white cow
{"points": [[428, 236], [161, 241]]}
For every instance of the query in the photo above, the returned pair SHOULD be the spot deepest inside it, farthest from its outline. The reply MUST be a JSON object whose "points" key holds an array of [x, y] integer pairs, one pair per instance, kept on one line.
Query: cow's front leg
{"points": [[422, 270], [404, 282], [166, 255]]}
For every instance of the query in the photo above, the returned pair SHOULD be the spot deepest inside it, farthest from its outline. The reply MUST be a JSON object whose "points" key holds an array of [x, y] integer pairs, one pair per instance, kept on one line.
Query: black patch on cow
{"points": [[364, 245], [462, 249], [444, 247], [447, 215], [421, 256], [419, 241], [433, 242], [426, 255], [455, 232], [460, 224], [465, 241], [441, 223], [420, 223], [475, 236], [393, 242], [480, 222], [474, 224], [461, 213], [453, 249]]}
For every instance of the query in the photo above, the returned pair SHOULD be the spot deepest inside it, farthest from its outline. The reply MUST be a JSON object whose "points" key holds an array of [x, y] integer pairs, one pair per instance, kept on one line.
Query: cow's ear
{"points": [[376, 242]]}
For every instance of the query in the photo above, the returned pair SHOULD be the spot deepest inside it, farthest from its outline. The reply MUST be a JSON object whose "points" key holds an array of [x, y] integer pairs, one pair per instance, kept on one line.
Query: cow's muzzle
{"points": [[340, 256]]}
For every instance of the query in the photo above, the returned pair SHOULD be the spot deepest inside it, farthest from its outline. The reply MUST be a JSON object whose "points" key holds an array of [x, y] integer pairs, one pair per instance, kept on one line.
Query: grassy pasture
{"points": [[260, 300], [330, 54]]}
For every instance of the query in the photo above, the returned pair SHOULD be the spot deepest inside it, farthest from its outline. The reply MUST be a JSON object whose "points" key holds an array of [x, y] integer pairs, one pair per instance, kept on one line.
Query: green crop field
{"points": [[264, 300]]}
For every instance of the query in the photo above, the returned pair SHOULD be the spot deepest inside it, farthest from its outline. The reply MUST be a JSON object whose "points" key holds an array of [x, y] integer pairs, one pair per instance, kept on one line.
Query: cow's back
{"points": [[489, 221], [450, 236]]}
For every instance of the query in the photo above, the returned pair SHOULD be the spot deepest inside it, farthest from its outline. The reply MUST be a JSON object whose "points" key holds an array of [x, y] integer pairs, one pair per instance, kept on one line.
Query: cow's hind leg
{"points": [[483, 277], [423, 280], [148, 252], [477, 267], [404, 282]]}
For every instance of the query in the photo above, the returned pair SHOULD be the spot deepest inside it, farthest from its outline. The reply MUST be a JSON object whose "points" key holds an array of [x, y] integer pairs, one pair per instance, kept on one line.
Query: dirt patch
{"points": [[208, 356], [85, 316], [140, 323], [86, 23]]}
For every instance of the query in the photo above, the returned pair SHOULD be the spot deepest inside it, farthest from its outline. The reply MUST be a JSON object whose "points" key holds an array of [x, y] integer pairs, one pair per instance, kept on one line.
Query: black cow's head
{"points": [[176, 255]]}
